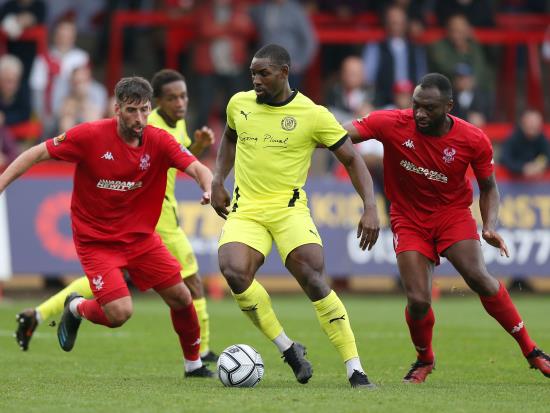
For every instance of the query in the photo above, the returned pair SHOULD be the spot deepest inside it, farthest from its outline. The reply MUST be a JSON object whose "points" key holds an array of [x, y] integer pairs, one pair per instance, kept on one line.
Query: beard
{"points": [[433, 127], [129, 132], [265, 98]]}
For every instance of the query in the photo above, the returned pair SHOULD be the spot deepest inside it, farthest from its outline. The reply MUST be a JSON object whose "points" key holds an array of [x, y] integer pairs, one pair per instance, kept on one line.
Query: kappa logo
{"points": [[517, 328], [245, 114], [145, 162], [449, 155], [409, 143], [197, 342], [98, 282], [58, 139], [108, 156]]}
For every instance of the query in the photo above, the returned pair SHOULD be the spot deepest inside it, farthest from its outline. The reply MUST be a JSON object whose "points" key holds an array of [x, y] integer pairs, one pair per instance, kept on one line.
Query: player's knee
{"points": [[194, 284], [118, 315], [236, 276], [418, 305]]}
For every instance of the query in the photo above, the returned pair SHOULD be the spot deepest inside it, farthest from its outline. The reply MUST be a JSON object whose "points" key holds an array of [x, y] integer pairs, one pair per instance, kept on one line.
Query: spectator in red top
{"points": [[220, 55], [119, 185], [16, 16]]}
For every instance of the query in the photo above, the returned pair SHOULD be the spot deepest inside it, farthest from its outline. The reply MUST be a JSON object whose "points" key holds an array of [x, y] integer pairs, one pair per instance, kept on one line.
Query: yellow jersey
{"points": [[275, 144], [169, 206]]}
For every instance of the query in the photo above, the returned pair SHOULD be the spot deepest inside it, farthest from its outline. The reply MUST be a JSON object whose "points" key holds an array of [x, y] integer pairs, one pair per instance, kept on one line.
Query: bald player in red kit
{"points": [[426, 155], [119, 186]]}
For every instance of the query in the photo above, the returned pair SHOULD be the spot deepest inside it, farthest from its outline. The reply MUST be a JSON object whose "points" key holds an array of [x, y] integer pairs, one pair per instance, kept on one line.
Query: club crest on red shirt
{"points": [[449, 155], [145, 162]]}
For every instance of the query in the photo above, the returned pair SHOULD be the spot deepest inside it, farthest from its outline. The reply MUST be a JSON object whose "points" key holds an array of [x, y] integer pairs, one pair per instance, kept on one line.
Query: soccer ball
{"points": [[240, 365]]}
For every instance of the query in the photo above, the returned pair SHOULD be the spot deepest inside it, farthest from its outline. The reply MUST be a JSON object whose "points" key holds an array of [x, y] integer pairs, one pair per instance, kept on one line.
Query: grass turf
{"points": [[138, 368]]}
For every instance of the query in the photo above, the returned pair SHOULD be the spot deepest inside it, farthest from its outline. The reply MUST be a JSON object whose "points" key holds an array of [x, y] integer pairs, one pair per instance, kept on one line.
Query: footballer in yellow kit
{"points": [[274, 148]]}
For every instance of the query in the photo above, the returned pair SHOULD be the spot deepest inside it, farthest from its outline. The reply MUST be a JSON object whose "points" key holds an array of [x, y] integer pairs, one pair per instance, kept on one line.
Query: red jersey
{"points": [[422, 173], [118, 189]]}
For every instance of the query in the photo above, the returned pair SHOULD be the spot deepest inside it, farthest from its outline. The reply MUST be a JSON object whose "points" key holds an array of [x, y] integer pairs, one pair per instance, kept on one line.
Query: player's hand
{"points": [[220, 200], [368, 228], [493, 238], [205, 199], [204, 137]]}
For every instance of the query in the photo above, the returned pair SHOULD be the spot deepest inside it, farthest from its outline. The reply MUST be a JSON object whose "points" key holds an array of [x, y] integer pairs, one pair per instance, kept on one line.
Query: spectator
{"points": [[15, 105], [526, 152], [86, 100], [54, 69], [8, 148], [348, 99], [221, 52], [393, 60], [459, 46], [470, 102], [285, 22], [480, 13], [16, 16], [402, 95]]}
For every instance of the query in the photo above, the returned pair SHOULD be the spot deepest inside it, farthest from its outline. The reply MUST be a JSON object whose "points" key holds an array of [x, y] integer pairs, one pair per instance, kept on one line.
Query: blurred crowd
{"points": [[44, 92]]}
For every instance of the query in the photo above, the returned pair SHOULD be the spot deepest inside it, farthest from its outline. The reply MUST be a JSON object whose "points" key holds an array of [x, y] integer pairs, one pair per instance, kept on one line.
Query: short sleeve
{"points": [[178, 155], [230, 113], [327, 131], [372, 125], [71, 145], [483, 164]]}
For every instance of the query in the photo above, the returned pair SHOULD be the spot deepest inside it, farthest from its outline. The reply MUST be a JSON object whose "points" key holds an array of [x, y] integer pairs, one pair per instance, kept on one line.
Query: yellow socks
{"points": [[256, 304], [204, 322], [53, 306], [334, 320]]}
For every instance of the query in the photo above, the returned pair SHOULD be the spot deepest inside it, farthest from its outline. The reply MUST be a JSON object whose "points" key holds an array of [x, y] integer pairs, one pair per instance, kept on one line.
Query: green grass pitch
{"points": [[138, 368]]}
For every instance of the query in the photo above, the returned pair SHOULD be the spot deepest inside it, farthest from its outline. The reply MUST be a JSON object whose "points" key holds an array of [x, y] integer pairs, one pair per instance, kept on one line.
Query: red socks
{"points": [[502, 309], [421, 334], [186, 325], [91, 310]]}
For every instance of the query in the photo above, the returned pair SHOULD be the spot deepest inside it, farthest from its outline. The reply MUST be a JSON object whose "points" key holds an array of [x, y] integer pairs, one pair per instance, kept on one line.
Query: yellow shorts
{"points": [[289, 227], [179, 246]]}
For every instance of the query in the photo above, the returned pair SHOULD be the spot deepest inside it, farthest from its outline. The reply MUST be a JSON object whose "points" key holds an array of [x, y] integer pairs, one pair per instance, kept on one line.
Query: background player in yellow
{"points": [[170, 93], [270, 136]]}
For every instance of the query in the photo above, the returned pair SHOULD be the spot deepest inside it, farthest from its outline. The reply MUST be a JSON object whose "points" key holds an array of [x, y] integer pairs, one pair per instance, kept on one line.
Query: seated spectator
{"points": [[86, 100], [348, 98], [54, 69], [471, 103], [16, 16], [15, 104], [402, 95], [220, 54], [526, 152], [393, 60], [459, 46], [286, 23], [8, 148]]}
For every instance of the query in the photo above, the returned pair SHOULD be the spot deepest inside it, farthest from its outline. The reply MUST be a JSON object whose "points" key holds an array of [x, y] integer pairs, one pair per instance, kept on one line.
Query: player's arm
{"points": [[369, 225], [489, 200], [202, 139], [202, 175], [23, 163], [224, 163]]}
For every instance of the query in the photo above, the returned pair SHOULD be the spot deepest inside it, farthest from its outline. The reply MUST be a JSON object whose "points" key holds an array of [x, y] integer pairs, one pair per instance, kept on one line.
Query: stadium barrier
{"points": [[41, 242]]}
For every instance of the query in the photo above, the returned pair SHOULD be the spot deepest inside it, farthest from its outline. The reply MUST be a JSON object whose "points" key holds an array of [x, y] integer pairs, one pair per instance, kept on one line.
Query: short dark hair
{"points": [[133, 89], [162, 78], [275, 53], [439, 81]]}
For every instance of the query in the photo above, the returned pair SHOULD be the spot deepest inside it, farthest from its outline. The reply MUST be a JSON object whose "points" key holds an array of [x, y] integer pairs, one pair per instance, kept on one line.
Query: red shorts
{"points": [[147, 261], [433, 237]]}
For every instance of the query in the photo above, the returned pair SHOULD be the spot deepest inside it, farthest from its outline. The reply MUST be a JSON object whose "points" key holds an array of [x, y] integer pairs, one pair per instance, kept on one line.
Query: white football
{"points": [[240, 365]]}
